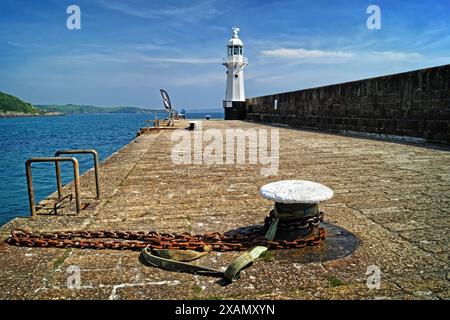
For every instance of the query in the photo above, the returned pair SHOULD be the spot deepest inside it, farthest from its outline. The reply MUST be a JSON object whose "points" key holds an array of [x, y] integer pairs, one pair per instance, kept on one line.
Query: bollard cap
{"points": [[296, 191]]}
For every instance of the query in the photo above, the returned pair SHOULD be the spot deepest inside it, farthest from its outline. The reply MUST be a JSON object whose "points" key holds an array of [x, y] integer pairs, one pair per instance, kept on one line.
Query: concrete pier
{"points": [[394, 197]]}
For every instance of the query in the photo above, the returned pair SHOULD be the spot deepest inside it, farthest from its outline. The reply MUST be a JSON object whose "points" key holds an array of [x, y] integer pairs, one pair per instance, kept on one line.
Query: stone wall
{"points": [[410, 104]]}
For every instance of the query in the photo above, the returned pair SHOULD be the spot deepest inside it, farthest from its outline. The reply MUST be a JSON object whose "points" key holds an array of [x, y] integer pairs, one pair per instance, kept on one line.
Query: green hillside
{"points": [[88, 109], [11, 104]]}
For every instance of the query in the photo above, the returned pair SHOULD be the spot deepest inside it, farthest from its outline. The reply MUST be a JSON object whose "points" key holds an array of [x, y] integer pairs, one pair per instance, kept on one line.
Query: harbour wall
{"points": [[410, 105]]}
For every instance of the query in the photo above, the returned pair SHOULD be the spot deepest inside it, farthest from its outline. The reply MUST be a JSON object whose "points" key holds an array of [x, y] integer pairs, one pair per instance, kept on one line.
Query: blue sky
{"points": [[127, 50]]}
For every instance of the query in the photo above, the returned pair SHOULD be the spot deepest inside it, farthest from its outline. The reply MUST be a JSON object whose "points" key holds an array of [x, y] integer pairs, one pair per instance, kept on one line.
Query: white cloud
{"points": [[132, 58], [199, 10], [148, 47], [206, 79], [90, 58], [24, 45], [301, 53], [182, 60], [324, 56], [393, 55]]}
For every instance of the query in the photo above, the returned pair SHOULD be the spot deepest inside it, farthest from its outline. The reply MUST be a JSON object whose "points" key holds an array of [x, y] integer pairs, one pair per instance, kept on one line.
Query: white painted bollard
{"points": [[296, 212], [296, 191]]}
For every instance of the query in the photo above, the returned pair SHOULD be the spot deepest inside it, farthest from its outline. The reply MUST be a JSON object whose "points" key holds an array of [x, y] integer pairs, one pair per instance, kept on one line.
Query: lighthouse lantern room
{"points": [[234, 103]]}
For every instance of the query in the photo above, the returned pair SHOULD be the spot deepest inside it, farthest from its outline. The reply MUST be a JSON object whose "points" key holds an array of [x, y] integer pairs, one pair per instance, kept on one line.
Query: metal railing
{"points": [[83, 151], [76, 175], [235, 59]]}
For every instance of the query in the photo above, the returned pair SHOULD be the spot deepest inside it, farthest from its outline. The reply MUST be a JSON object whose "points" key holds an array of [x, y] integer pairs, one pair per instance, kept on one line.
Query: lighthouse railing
{"points": [[243, 60]]}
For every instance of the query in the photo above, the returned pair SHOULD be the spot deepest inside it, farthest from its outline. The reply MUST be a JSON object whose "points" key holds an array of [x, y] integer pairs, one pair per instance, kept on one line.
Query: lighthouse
{"points": [[234, 103]]}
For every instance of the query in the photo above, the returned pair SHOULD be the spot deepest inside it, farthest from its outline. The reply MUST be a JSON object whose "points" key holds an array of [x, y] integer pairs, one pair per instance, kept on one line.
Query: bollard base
{"points": [[338, 243]]}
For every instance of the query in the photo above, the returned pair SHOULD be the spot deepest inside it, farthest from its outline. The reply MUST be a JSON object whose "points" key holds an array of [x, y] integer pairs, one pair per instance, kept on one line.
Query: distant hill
{"points": [[12, 104], [88, 109]]}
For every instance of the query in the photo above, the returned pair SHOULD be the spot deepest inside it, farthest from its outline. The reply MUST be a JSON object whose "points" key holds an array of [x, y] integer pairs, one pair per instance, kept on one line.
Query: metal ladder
{"points": [[76, 174]]}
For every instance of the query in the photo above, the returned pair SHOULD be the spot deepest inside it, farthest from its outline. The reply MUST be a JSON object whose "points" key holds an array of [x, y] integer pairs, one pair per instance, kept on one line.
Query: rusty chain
{"points": [[138, 240], [293, 224]]}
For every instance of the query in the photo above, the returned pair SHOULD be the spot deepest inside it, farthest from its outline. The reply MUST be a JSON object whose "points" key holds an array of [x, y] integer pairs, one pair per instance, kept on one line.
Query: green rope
{"points": [[174, 265], [244, 260]]}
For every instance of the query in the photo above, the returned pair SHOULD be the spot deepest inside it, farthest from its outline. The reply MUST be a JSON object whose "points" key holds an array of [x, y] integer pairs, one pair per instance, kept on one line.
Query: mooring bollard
{"points": [[191, 126], [294, 221], [296, 211]]}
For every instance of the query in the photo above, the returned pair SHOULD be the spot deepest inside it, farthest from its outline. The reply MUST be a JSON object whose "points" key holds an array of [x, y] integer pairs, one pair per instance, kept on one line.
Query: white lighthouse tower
{"points": [[234, 103]]}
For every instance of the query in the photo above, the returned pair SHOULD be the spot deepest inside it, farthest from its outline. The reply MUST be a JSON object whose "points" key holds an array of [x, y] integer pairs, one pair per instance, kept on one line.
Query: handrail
{"points": [[235, 60], [76, 175], [81, 151]]}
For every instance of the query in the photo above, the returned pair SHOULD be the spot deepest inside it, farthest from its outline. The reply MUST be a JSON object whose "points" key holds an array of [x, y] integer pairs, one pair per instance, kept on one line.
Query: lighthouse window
{"points": [[230, 51], [240, 50], [236, 50]]}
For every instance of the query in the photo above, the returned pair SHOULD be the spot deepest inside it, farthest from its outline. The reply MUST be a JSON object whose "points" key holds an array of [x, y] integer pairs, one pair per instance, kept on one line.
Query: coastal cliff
{"points": [[13, 106]]}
